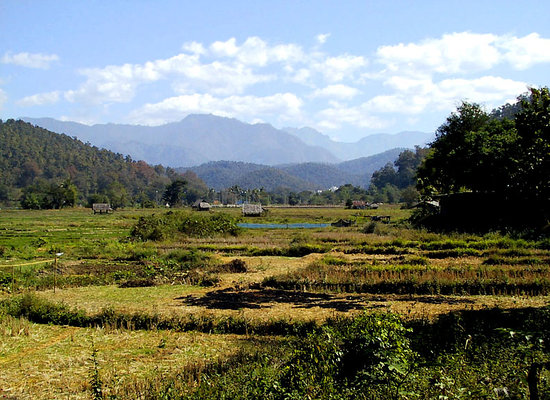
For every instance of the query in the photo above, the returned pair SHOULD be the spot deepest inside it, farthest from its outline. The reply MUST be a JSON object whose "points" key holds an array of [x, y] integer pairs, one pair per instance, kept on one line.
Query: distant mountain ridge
{"points": [[194, 140], [201, 138], [367, 146], [294, 177]]}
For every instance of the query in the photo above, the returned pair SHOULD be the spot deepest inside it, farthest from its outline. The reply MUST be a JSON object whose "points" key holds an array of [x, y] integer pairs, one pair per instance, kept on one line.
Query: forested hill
{"points": [[295, 177], [31, 157]]}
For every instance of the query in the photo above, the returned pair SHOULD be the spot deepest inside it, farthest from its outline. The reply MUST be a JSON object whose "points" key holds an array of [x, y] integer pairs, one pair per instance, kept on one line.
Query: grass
{"points": [[284, 280], [47, 361]]}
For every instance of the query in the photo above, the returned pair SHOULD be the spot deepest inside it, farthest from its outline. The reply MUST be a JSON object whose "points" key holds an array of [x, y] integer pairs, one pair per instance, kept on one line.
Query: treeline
{"points": [[42, 169], [494, 164]]}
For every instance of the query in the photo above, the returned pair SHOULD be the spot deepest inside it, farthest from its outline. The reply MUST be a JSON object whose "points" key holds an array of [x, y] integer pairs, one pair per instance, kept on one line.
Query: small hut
{"points": [[252, 210], [200, 205], [101, 208]]}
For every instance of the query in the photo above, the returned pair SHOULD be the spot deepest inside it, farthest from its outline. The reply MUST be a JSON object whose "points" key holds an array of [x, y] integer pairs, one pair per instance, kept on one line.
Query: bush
{"points": [[188, 259], [370, 227], [359, 356], [158, 227], [137, 282], [42, 311], [234, 266]]}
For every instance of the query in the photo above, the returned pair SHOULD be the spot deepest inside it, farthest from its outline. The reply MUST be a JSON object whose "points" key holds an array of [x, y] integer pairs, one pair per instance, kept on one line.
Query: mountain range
{"points": [[201, 138], [294, 177]]}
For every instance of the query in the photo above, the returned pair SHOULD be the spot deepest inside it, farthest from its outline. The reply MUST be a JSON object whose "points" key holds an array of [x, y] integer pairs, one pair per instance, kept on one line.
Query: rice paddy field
{"points": [[89, 311]]}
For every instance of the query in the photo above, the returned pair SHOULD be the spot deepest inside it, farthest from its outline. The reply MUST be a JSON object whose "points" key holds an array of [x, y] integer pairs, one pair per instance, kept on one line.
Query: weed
{"points": [[96, 384]]}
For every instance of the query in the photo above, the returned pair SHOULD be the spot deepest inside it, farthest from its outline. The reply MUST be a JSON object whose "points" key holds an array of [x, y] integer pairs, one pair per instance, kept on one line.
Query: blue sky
{"points": [[348, 68]]}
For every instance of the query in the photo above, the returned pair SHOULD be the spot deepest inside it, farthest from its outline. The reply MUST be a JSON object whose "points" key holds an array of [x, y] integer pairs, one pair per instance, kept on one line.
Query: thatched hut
{"points": [[200, 205], [252, 210]]}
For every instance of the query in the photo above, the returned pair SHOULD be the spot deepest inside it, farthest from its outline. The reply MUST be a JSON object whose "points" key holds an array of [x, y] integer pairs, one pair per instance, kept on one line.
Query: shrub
{"points": [[156, 228], [137, 282], [370, 227], [236, 266], [188, 259], [359, 356], [39, 310]]}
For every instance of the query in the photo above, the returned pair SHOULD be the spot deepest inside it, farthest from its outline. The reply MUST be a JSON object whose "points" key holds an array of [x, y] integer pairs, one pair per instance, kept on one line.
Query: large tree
{"points": [[486, 153], [174, 193]]}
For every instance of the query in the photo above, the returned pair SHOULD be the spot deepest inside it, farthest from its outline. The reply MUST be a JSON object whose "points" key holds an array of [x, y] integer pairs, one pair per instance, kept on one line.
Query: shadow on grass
{"points": [[232, 299]]}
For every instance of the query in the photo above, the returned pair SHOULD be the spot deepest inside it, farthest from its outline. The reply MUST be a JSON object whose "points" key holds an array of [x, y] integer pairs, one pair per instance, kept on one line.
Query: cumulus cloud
{"points": [[336, 91], [256, 52], [335, 69], [118, 83], [194, 48], [453, 53], [418, 96], [39, 99], [286, 105], [465, 52], [30, 60], [336, 116], [322, 38], [523, 53], [257, 80], [114, 83]]}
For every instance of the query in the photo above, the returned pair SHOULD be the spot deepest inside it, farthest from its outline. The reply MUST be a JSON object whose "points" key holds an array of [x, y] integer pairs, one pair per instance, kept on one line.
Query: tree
{"points": [[385, 175], [117, 194], [44, 195], [531, 151], [174, 192], [501, 160], [448, 166], [4, 193]]}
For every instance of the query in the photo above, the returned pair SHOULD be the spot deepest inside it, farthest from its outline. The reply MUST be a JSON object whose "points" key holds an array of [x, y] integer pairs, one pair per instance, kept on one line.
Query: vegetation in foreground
{"points": [[346, 354]]}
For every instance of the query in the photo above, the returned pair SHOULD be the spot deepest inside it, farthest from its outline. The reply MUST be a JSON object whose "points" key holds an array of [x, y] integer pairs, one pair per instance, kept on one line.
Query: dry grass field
{"points": [[290, 275]]}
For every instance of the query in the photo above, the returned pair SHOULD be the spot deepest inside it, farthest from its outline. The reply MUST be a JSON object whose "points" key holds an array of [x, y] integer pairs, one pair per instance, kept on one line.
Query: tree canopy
{"points": [[504, 153], [48, 170]]}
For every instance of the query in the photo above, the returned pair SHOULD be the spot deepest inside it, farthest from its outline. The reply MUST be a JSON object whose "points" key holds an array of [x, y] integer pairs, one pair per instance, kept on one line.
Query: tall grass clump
{"points": [[414, 278], [159, 227]]}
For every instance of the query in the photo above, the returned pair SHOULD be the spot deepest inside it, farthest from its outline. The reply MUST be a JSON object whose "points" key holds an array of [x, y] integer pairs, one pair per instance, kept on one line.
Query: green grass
{"points": [[417, 272]]}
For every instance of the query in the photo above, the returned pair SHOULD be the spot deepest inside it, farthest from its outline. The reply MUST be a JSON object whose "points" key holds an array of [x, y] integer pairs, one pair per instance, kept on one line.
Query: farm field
{"points": [[116, 315]]}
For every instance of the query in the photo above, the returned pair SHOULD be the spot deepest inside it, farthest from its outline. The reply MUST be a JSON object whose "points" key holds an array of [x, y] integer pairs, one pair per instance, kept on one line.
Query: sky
{"points": [[348, 68]]}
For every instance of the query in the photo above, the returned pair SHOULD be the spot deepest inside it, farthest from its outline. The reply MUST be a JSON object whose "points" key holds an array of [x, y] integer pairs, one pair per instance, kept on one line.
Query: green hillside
{"points": [[35, 162]]}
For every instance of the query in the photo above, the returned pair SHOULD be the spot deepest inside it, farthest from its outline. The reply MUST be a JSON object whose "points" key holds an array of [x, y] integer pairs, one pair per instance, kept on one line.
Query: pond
{"points": [[282, 226]]}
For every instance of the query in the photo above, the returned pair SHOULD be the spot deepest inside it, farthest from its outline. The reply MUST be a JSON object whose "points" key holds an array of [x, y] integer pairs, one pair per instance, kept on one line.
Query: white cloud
{"points": [[118, 83], [523, 53], [39, 99], [302, 76], [453, 53], [216, 78], [465, 52], [490, 90], [337, 116], [322, 38], [194, 48], [286, 105], [114, 83], [30, 60], [336, 91], [256, 52], [221, 77], [225, 49], [336, 69], [416, 96]]}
